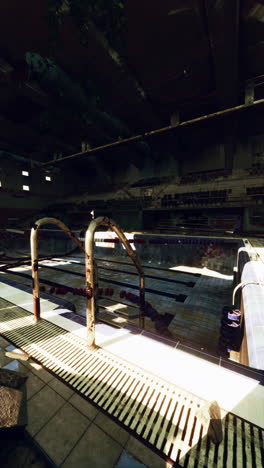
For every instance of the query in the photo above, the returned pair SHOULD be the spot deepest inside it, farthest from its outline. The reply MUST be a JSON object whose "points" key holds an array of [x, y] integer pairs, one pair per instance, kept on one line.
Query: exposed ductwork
{"points": [[84, 100]]}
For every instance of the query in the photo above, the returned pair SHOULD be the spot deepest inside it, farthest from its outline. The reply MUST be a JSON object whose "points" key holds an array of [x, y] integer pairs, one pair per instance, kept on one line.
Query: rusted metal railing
{"points": [[34, 256], [91, 276]]}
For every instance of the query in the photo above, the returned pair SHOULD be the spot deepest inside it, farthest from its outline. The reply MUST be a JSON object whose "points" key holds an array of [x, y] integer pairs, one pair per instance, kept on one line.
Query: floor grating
{"points": [[161, 415]]}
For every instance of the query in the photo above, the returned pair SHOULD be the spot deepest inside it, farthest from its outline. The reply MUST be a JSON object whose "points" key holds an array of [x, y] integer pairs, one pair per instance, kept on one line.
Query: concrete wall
{"points": [[16, 202], [243, 155], [253, 298], [108, 178], [165, 166], [239, 155], [253, 219], [131, 221], [12, 180], [208, 159]]}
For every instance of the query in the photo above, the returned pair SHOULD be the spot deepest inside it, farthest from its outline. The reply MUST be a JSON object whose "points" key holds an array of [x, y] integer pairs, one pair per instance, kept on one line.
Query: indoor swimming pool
{"points": [[155, 384], [187, 281]]}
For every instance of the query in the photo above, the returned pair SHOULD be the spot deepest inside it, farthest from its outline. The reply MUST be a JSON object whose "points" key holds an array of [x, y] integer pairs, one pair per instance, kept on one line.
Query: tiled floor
{"points": [[201, 373], [18, 451], [70, 431], [73, 433]]}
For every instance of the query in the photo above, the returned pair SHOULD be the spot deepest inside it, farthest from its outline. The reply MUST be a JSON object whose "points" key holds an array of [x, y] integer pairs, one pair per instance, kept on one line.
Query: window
{"points": [[25, 173], [0, 183], [26, 187], [48, 178]]}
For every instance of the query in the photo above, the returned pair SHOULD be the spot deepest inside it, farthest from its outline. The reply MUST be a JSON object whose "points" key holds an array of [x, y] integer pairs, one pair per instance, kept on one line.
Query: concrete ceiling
{"points": [[191, 57]]}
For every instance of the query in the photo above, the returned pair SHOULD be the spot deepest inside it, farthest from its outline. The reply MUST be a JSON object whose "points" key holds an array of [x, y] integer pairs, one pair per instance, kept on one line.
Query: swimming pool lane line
{"points": [[189, 284], [177, 297], [100, 259]]}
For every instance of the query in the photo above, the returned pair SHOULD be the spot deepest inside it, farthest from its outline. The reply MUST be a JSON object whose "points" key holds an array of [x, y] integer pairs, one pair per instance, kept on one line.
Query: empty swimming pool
{"points": [[188, 280]]}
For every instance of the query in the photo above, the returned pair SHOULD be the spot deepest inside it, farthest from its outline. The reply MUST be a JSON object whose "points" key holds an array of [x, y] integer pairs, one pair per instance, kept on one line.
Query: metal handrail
{"points": [[34, 257], [91, 276], [91, 279]]}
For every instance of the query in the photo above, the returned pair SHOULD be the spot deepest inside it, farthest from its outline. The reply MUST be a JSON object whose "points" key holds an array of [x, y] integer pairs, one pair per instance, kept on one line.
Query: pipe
{"points": [[91, 277], [34, 257], [137, 138], [241, 285]]}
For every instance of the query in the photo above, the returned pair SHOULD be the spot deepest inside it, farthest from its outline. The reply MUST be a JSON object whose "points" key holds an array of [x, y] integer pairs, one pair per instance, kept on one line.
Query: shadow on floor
{"points": [[17, 450]]}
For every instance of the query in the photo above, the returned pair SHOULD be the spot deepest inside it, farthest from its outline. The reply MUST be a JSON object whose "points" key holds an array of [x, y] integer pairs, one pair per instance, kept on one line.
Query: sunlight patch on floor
{"points": [[116, 307], [202, 271]]}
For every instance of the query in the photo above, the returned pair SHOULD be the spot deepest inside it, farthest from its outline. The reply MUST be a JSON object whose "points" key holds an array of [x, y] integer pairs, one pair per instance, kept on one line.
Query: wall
{"points": [[16, 202], [247, 152], [165, 166], [243, 155], [131, 221], [254, 219], [208, 159], [253, 298], [119, 178], [171, 251]]}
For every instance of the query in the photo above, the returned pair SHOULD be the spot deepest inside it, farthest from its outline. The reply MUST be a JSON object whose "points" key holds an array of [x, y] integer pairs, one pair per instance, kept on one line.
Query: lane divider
{"points": [[150, 267], [100, 259], [176, 297], [189, 284]]}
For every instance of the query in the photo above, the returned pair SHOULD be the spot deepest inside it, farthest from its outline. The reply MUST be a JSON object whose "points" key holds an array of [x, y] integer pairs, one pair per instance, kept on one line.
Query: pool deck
{"points": [[134, 401], [74, 431]]}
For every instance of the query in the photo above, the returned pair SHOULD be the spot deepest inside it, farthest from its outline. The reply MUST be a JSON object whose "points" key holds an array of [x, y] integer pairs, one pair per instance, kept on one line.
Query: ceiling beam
{"points": [[163, 131], [223, 30]]}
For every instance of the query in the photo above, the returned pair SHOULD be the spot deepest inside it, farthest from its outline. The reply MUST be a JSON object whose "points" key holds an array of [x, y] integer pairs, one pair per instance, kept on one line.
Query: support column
{"points": [[249, 93]]}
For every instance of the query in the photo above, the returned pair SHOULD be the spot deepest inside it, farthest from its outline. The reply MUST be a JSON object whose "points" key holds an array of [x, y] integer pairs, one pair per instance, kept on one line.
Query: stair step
{"points": [[111, 319], [119, 308]]}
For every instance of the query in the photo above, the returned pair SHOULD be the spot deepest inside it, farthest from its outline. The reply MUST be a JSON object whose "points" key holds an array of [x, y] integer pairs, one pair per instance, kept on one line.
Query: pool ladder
{"points": [[91, 275]]}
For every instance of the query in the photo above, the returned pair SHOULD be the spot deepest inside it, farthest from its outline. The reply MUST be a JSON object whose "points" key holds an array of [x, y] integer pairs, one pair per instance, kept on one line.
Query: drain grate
{"points": [[158, 413]]}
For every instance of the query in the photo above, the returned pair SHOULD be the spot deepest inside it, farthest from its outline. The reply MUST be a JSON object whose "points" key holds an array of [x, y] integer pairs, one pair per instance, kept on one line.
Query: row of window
{"points": [[26, 174], [26, 187]]}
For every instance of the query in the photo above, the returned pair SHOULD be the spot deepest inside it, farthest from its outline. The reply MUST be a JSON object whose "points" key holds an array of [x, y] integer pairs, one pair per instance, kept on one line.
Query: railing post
{"points": [[91, 277], [91, 281], [34, 257], [35, 273], [138, 266]]}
